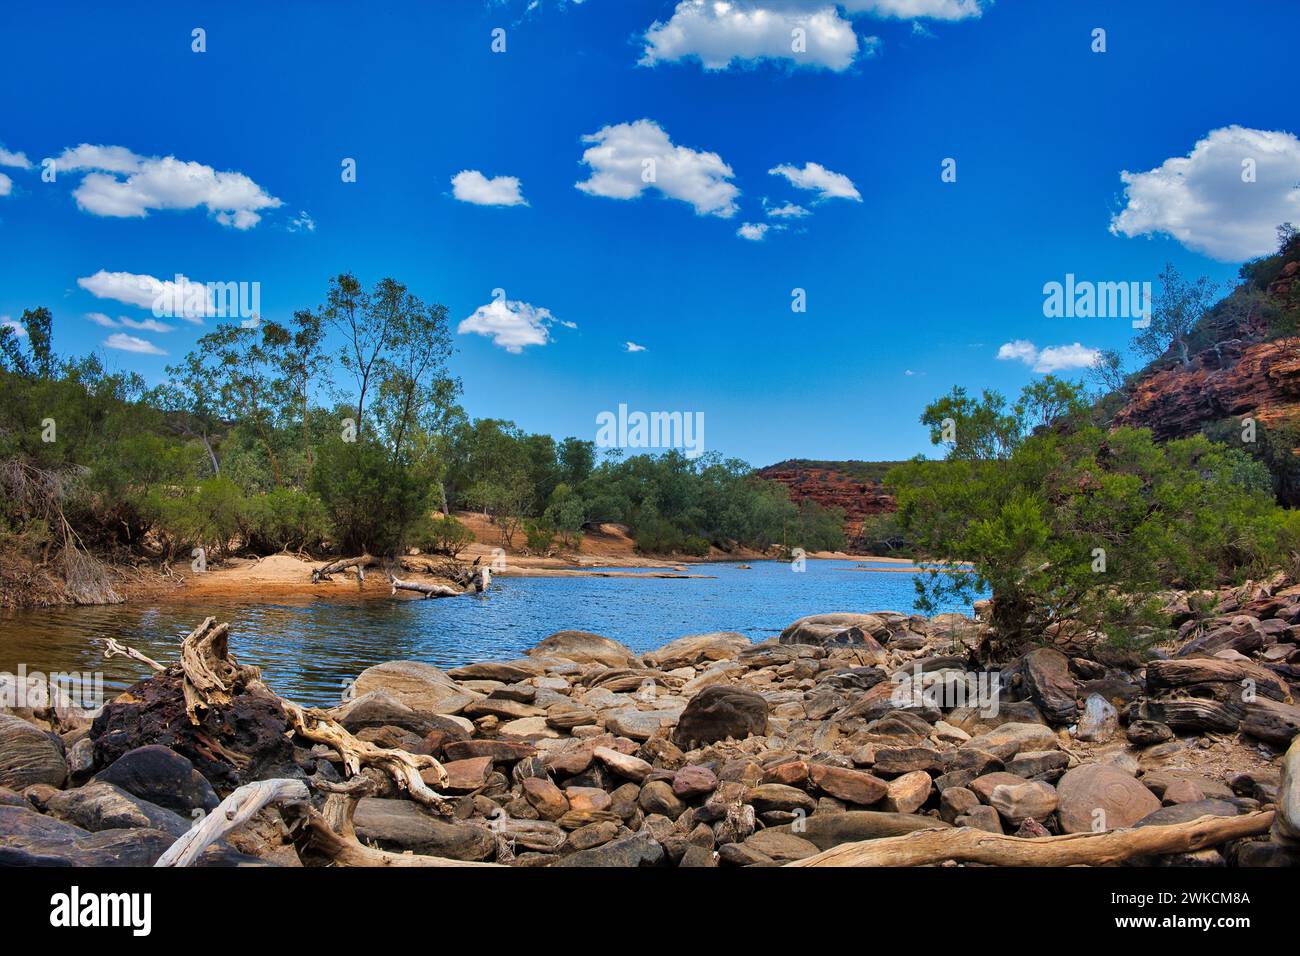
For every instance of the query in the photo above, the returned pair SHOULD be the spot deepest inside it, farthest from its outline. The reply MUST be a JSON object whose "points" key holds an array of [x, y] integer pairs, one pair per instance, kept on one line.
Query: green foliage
{"points": [[284, 520], [1074, 524], [539, 535], [373, 502], [207, 515], [441, 534]]}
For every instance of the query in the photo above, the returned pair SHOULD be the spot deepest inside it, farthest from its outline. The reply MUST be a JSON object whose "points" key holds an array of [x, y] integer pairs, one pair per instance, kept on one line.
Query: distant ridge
{"points": [[855, 486]]}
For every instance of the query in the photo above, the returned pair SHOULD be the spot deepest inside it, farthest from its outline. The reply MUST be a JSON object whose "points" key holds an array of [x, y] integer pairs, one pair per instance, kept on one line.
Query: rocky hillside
{"points": [[855, 486]]}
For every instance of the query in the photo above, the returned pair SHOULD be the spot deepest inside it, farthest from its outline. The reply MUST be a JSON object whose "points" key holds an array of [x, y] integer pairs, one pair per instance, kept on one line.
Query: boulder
{"points": [[853, 786], [719, 712], [583, 647], [1050, 685], [420, 686], [640, 849], [1100, 796], [837, 630], [103, 806], [401, 826], [1099, 721], [507, 672], [639, 724], [908, 793], [1017, 803], [29, 755], [780, 846], [695, 781], [825, 830], [28, 838], [1009, 739], [697, 649], [162, 777]]}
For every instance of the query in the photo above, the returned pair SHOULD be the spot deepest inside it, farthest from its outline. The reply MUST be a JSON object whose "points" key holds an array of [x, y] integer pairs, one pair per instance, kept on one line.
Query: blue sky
{"points": [[913, 284]]}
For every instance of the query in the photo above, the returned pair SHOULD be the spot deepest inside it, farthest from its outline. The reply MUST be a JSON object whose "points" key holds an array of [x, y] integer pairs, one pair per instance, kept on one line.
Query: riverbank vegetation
{"points": [[338, 431]]}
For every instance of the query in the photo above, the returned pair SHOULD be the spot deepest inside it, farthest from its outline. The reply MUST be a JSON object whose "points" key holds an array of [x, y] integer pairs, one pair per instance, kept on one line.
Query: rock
{"points": [[1159, 782], [1287, 823], [738, 854], [29, 755], [567, 715], [1038, 763], [587, 798], [640, 724], [698, 649], [1146, 733], [1101, 797], [466, 775], [634, 768], [1187, 812], [401, 826], [1031, 829], [81, 759], [692, 782], [900, 760], [103, 806], [162, 777], [779, 846], [28, 838], [956, 802], [826, 830], [1019, 802], [776, 796], [252, 728], [500, 751], [792, 773], [1050, 685], [507, 672], [698, 856], [592, 835], [981, 818], [984, 786], [825, 630], [657, 797], [527, 728], [1182, 791], [421, 687], [1270, 721], [640, 849], [855, 786], [549, 801], [583, 647], [908, 793], [381, 709], [1009, 739], [719, 712], [1099, 721], [502, 709]]}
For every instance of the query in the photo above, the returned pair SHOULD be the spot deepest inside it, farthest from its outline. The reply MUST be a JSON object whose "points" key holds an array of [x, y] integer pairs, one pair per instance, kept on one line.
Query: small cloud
{"points": [[129, 343], [10, 158], [1054, 358], [511, 325], [567, 324], [8, 323], [908, 372], [753, 231], [788, 211], [633, 347], [302, 223], [471, 186], [816, 177], [6, 185]]}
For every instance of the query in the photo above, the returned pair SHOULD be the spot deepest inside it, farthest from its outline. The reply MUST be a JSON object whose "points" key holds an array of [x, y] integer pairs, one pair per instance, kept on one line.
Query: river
{"points": [[309, 649]]}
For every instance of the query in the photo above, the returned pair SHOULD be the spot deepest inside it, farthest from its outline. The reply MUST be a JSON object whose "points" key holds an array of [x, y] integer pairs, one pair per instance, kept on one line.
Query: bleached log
{"points": [[331, 834], [233, 812], [342, 564], [428, 590], [114, 649], [211, 673], [969, 845]]}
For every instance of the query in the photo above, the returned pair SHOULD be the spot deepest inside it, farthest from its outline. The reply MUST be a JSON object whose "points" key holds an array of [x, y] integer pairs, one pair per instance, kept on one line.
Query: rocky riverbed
{"points": [[710, 751]]}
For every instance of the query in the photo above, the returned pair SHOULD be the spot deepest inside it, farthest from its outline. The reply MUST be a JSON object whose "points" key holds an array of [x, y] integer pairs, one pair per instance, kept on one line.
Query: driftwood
{"points": [[233, 812], [428, 590], [113, 649], [330, 833], [211, 674], [404, 768], [969, 845], [360, 563]]}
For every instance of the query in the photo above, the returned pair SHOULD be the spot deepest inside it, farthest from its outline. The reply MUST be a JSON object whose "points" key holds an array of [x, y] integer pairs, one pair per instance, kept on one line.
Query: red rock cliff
{"points": [[832, 488]]}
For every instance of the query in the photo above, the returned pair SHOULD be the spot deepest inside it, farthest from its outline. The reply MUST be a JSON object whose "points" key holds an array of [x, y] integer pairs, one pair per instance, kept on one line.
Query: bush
{"points": [[374, 503], [284, 520], [539, 535], [441, 534], [206, 516], [695, 546]]}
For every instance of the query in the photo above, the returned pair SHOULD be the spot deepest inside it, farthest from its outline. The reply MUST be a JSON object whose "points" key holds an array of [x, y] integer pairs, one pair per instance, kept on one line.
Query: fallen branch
{"points": [[114, 649], [331, 834], [232, 813], [969, 845], [404, 768], [342, 564], [428, 590]]}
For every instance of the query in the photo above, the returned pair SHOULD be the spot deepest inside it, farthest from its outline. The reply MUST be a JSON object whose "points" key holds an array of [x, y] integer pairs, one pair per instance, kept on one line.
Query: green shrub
{"points": [[284, 520], [440, 534], [539, 535]]}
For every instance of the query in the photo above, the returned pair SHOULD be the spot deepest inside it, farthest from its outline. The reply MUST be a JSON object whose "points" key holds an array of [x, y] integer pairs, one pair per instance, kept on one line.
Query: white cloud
{"points": [[1054, 358], [1202, 201], [122, 184], [788, 211], [99, 318], [913, 9], [129, 343], [194, 298], [8, 323], [123, 322], [633, 347], [815, 176], [629, 158], [10, 158], [302, 223], [719, 33], [469, 185], [754, 231], [511, 325], [6, 185]]}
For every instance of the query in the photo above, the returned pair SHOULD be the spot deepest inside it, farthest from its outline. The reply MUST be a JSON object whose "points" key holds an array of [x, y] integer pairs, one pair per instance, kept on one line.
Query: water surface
{"points": [[308, 649]]}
